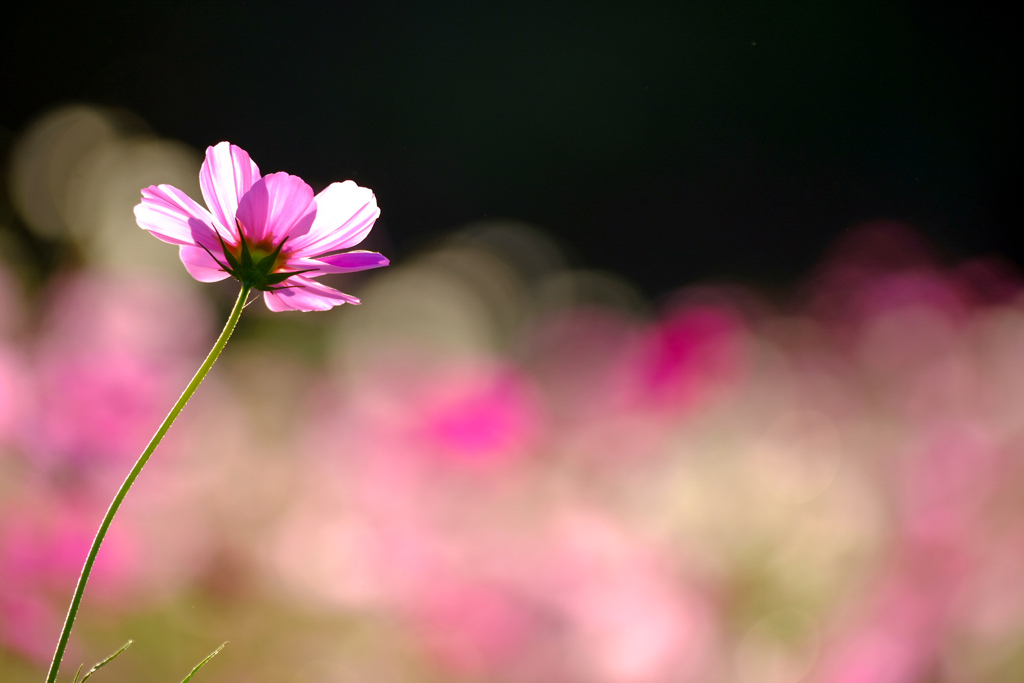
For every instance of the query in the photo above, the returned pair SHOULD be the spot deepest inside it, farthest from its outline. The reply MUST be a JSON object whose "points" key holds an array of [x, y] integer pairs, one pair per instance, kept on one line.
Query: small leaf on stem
{"points": [[99, 665], [202, 663]]}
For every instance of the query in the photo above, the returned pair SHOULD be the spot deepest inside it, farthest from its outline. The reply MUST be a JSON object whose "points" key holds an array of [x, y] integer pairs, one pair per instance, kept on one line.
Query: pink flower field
{"points": [[501, 467]]}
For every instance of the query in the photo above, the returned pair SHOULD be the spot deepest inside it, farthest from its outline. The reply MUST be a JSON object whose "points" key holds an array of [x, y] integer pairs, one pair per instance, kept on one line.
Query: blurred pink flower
{"points": [[480, 415], [269, 232], [93, 408], [42, 541], [483, 629], [440, 417], [906, 622], [14, 384], [629, 617], [881, 268], [26, 624], [111, 353], [901, 627], [686, 356], [579, 601], [945, 483]]}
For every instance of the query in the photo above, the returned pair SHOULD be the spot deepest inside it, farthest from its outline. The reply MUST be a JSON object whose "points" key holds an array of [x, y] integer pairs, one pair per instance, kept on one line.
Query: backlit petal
{"points": [[306, 295], [276, 206], [345, 213], [172, 216], [352, 261], [200, 264], [226, 175], [360, 260]]}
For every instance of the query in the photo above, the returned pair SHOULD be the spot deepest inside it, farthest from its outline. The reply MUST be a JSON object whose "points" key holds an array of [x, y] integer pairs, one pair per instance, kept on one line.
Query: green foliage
{"points": [[201, 664], [99, 665]]}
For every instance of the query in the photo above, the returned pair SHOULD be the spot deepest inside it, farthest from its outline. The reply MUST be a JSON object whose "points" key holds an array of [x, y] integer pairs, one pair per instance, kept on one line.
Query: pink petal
{"points": [[277, 206], [200, 264], [172, 216], [360, 260], [226, 175], [352, 261], [345, 213], [306, 295]]}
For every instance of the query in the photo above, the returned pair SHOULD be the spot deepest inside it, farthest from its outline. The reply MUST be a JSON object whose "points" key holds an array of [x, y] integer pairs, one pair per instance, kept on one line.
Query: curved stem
{"points": [[69, 621]]}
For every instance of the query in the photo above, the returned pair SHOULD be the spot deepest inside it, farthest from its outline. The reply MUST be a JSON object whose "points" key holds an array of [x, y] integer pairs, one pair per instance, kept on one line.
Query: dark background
{"points": [[670, 142]]}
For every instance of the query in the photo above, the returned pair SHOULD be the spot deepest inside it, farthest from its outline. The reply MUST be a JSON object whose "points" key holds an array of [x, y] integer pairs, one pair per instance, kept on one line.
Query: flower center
{"points": [[258, 254], [259, 266]]}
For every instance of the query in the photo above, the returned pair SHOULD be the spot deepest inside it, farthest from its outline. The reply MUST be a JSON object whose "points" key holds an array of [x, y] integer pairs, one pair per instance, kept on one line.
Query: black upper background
{"points": [[670, 142]]}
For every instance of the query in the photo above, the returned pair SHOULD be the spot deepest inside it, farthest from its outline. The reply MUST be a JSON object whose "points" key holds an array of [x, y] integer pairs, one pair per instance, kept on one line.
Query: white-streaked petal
{"points": [[227, 174], [278, 205], [304, 294], [347, 262], [345, 212], [353, 261], [172, 216]]}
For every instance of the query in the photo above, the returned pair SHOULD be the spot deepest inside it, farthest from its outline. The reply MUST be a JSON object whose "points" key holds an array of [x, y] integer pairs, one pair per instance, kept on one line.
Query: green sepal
{"points": [[278, 278], [222, 266], [246, 256], [267, 262], [232, 261]]}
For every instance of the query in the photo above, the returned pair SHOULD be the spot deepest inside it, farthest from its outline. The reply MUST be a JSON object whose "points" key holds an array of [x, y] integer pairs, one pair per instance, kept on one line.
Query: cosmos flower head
{"points": [[268, 232]]}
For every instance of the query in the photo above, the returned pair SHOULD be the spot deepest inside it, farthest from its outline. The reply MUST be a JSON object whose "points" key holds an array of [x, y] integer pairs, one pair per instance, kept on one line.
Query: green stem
{"points": [[69, 621]]}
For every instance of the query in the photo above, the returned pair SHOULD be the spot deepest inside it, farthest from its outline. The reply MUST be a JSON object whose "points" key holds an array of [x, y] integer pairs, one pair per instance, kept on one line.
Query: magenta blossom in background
{"points": [[42, 540], [268, 232]]}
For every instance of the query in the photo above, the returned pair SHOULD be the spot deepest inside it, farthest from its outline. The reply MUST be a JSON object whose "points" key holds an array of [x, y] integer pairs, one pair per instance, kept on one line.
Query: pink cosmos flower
{"points": [[268, 232]]}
